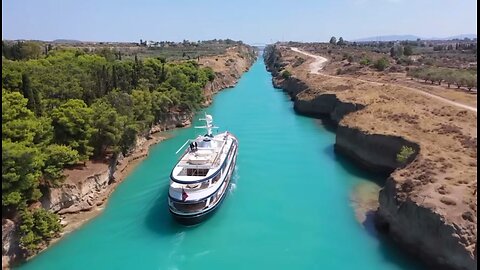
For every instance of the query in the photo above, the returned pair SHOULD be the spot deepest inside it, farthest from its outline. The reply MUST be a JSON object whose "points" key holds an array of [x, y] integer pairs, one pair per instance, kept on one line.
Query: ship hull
{"points": [[197, 218]]}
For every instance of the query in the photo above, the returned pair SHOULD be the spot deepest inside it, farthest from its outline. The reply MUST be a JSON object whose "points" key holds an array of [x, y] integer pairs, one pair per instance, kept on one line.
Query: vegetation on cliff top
{"points": [[405, 153], [70, 106], [458, 77]]}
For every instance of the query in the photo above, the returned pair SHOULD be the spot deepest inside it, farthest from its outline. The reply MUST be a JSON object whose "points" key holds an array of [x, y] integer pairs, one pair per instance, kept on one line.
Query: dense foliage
{"points": [[37, 226], [70, 106]]}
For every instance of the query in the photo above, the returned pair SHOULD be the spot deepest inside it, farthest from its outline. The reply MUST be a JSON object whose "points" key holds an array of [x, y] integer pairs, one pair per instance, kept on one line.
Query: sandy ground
{"points": [[319, 62], [316, 65]]}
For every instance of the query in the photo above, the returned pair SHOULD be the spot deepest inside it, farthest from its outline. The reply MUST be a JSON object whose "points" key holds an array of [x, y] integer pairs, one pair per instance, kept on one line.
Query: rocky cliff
{"points": [[421, 205], [228, 68]]}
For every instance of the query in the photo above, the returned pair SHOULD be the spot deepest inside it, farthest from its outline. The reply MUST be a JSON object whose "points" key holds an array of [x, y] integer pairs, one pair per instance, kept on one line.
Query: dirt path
{"points": [[320, 62], [317, 65]]}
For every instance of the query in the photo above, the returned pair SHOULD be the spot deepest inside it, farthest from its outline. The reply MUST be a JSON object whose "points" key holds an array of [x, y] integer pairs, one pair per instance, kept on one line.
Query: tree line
{"points": [[458, 77], [69, 106]]}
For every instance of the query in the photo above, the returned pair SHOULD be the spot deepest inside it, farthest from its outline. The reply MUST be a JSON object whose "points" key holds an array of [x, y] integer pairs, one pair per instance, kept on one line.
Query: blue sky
{"points": [[260, 21]]}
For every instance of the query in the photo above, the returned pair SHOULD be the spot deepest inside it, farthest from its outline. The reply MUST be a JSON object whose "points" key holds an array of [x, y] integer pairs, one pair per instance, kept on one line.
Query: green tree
{"points": [[72, 123], [449, 77], [56, 158], [21, 170], [142, 108], [341, 41], [32, 95], [108, 126], [19, 124], [470, 81], [333, 40], [127, 141], [37, 227], [407, 50]]}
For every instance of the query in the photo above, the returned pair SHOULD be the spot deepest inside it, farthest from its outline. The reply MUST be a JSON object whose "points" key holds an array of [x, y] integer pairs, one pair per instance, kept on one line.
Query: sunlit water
{"points": [[288, 207]]}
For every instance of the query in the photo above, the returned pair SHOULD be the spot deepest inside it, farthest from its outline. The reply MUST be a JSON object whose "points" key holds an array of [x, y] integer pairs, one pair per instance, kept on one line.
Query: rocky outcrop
{"points": [[374, 151], [405, 211], [423, 231], [10, 249]]}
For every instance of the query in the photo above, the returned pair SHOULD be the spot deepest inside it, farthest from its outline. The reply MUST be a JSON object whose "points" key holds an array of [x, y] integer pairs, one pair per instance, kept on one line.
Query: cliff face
{"points": [[374, 151], [85, 189], [228, 69], [10, 249], [409, 203], [424, 231]]}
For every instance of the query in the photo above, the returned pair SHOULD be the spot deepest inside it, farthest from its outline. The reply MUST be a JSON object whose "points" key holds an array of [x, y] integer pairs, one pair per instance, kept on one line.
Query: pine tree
{"points": [[28, 93]]}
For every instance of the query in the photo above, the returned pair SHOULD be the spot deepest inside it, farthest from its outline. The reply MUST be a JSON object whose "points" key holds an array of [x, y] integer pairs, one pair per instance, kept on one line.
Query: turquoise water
{"points": [[288, 207]]}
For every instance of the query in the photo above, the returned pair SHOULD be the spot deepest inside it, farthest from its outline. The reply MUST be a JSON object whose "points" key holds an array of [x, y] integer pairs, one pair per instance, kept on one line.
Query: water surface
{"points": [[288, 207]]}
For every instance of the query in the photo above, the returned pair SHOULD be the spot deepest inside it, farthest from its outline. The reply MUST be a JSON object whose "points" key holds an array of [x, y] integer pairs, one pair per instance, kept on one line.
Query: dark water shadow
{"points": [[391, 250], [351, 167], [369, 224], [326, 123], [159, 219]]}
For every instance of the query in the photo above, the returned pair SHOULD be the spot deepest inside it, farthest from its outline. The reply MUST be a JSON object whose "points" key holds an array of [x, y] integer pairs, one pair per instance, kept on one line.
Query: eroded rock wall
{"points": [[423, 231], [421, 228]]}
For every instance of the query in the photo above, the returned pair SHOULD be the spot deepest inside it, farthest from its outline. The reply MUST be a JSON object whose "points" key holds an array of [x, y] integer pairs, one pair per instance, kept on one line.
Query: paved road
{"points": [[320, 62]]}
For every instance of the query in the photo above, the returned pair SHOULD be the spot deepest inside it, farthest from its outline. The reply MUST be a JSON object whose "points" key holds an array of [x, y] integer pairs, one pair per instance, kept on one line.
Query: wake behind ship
{"points": [[199, 181]]}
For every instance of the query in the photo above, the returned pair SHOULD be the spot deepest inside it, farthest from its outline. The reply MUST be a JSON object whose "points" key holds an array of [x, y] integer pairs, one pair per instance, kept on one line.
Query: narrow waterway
{"points": [[289, 206]]}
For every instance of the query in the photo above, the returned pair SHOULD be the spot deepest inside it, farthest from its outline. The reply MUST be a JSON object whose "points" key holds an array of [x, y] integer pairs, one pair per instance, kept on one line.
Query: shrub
{"points": [[286, 74], [365, 61], [381, 64], [404, 154]]}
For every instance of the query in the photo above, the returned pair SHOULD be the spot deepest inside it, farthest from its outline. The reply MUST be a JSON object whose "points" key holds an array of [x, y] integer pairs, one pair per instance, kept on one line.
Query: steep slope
{"points": [[428, 203]]}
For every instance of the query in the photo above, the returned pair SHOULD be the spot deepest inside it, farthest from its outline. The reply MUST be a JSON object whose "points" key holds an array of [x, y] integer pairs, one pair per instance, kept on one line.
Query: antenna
{"points": [[208, 124]]}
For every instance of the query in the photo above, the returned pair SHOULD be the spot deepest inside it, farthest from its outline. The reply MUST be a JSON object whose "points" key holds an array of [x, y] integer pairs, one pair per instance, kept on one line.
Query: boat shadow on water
{"points": [[159, 219]]}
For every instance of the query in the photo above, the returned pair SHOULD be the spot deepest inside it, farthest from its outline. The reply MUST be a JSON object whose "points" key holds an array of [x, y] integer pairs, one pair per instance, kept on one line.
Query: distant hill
{"points": [[389, 38], [413, 37], [470, 36], [69, 41]]}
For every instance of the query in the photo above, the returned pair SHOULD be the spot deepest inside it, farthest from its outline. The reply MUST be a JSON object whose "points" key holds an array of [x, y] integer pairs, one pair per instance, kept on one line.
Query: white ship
{"points": [[199, 181]]}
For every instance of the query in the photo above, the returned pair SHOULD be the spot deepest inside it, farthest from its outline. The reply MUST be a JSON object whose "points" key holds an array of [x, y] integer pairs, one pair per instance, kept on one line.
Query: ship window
{"points": [[197, 172], [193, 207], [215, 179]]}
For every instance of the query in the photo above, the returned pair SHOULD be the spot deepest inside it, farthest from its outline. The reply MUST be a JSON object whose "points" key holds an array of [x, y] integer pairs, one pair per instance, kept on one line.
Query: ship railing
{"points": [[216, 161]]}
